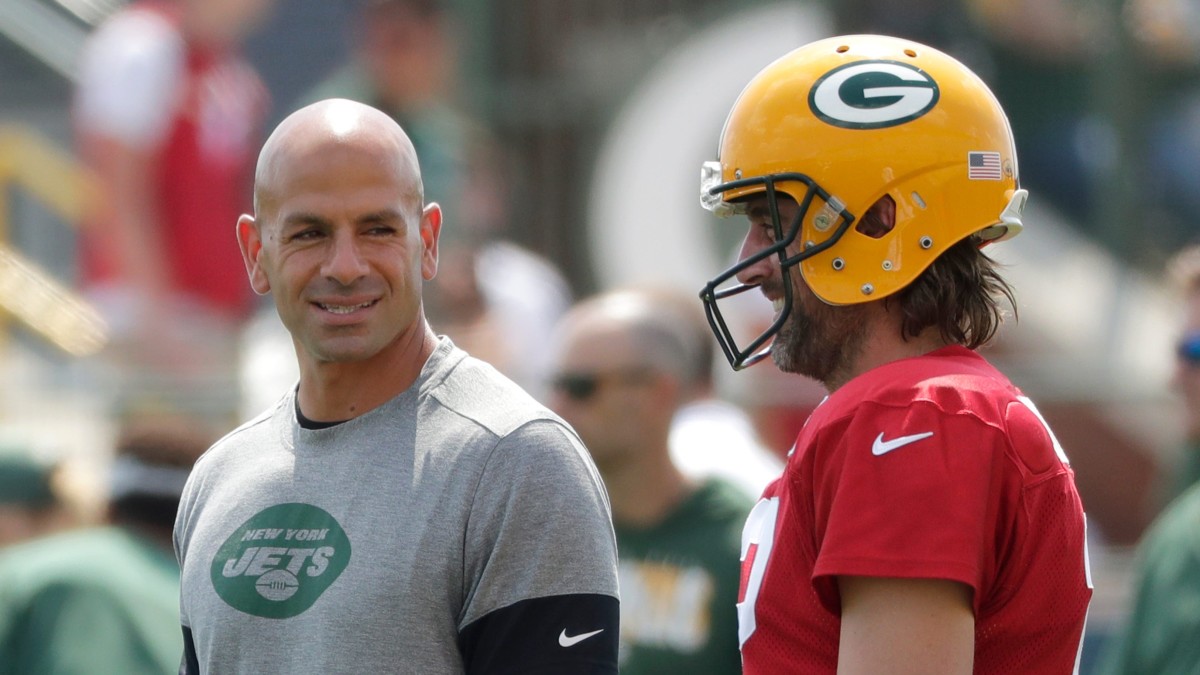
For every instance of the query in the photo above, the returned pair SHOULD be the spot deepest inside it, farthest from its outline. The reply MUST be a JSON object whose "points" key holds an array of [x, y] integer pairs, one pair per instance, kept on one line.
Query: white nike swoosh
{"points": [[570, 641], [882, 447]]}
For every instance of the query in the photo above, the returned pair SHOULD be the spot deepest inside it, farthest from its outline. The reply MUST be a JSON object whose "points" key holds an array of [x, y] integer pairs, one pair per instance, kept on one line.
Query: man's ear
{"points": [[431, 231], [250, 242]]}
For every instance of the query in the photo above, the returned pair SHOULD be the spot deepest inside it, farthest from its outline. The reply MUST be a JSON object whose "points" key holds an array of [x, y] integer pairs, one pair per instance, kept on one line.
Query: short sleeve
{"points": [[540, 523], [909, 492], [130, 74], [179, 541]]}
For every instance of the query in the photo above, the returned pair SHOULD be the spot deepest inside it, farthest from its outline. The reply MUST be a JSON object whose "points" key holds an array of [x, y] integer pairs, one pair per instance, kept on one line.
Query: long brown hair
{"points": [[961, 293]]}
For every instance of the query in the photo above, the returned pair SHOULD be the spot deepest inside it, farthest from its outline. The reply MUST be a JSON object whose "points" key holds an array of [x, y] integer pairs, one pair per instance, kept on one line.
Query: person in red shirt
{"points": [[168, 116], [927, 520]]}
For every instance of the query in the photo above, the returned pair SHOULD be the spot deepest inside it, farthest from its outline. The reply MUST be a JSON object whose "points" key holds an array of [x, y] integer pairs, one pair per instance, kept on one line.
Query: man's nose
{"points": [[345, 262], [753, 244]]}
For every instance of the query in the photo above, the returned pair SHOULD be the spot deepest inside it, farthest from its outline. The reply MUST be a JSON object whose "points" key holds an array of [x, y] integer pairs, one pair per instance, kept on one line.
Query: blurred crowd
{"points": [[1103, 98], [169, 113]]}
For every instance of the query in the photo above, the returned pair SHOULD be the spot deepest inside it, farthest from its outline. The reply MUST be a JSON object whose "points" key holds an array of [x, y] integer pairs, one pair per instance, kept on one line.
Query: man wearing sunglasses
{"points": [[1184, 270], [626, 362], [1160, 632], [927, 520]]}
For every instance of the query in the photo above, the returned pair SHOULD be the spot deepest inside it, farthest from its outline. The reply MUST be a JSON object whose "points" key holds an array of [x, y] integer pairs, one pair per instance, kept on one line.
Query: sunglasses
{"points": [[1188, 348], [583, 386]]}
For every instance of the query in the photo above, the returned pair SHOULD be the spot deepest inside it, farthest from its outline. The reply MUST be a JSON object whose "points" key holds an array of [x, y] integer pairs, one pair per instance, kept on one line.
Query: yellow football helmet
{"points": [[838, 125]]}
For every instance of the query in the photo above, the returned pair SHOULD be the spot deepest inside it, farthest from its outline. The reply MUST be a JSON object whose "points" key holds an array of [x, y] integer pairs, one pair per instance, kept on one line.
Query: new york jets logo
{"points": [[280, 561], [873, 95]]}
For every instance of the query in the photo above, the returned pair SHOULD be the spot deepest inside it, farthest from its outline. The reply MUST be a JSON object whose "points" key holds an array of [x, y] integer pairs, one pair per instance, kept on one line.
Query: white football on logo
{"points": [[277, 585]]}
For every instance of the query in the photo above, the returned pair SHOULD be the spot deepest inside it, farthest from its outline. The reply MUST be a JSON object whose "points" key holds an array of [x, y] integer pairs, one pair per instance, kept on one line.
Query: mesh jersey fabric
{"points": [[930, 467]]}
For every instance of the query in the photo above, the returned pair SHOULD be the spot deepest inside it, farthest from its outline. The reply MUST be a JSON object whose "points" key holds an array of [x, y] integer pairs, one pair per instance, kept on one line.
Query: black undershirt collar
{"points": [[306, 423]]}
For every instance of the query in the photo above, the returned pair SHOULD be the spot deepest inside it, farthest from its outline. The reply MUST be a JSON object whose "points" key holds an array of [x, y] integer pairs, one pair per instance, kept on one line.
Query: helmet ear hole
{"points": [[879, 219]]}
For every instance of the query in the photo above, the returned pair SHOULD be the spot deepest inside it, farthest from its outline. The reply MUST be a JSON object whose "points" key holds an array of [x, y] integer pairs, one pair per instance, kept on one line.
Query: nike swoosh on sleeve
{"points": [[565, 640]]}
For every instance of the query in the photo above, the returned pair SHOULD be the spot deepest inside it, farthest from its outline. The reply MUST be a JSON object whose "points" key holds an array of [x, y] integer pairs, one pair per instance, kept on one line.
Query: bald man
{"points": [[626, 363], [405, 508]]}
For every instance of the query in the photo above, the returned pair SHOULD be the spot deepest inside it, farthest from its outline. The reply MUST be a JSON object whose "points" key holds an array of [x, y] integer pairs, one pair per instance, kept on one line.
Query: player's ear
{"points": [[431, 230], [250, 242]]}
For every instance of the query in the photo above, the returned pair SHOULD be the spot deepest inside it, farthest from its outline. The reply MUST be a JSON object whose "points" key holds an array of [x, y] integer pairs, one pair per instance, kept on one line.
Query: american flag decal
{"points": [[983, 166]]}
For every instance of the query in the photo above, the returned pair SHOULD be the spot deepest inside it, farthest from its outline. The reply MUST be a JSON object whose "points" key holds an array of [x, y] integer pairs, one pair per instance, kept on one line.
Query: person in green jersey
{"points": [[624, 364], [105, 599], [1183, 271], [1159, 635]]}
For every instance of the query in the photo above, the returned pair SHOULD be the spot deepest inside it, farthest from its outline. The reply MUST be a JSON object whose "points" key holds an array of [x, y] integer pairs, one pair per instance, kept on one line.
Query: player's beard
{"points": [[818, 340]]}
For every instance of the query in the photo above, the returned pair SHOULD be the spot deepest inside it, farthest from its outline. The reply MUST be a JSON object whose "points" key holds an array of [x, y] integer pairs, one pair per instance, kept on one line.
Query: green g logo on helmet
{"points": [[873, 95], [280, 561]]}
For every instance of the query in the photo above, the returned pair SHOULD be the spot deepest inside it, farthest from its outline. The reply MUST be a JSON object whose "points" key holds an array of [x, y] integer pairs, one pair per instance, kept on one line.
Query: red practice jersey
{"points": [[196, 110], [931, 467]]}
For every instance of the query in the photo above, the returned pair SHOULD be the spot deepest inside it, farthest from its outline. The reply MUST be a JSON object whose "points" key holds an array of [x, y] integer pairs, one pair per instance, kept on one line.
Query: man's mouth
{"points": [[344, 309]]}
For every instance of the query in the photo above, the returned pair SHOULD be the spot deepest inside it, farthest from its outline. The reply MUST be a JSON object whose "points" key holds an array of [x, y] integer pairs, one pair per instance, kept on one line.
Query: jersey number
{"points": [[757, 539]]}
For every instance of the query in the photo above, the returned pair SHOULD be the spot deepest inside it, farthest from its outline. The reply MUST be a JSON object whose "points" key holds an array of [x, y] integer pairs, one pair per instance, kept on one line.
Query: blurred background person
{"points": [[1184, 271], [29, 505], [168, 117], [624, 363], [105, 599], [403, 62], [710, 435], [1159, 634]]}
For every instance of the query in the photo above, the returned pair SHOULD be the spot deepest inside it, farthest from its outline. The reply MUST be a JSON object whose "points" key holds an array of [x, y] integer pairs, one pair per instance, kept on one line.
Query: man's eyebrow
{"points": [[307, 219], [381, 216], [304, 218], [758, 210]]}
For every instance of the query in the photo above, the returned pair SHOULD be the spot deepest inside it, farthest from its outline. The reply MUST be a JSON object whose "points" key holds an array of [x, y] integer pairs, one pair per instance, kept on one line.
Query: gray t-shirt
{"points": [[369, 546]]}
